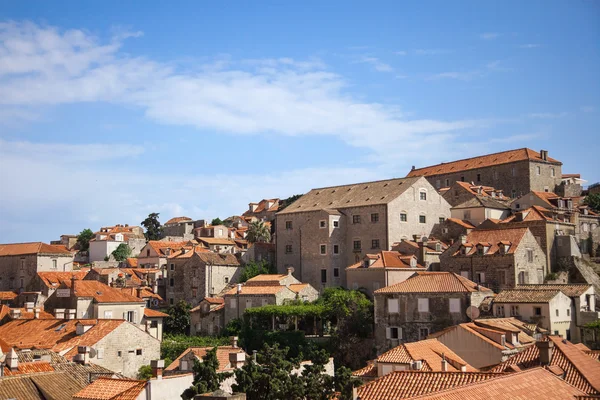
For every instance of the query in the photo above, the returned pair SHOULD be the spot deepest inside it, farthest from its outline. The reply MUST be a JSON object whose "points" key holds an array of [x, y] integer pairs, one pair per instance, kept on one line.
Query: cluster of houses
{"points": [[482, 274]]}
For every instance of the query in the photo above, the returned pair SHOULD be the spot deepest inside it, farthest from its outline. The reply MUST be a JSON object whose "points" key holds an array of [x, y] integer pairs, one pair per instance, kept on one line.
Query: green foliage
{"points": [[253, 268], [288, 310], [121, 252], [154, 230], [551, 276], [206, 377], [258, 231], [286, 202], [173, 345], [216, 221], [178, 321], [594, 324], [316, 384], [345, 382], [593, 200], [233, 328], [106, 258], [144, 373], [83, 239]]}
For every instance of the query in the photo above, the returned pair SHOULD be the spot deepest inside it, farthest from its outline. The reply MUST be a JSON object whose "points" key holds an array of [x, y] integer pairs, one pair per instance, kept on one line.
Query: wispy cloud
{"points": [[489, 35], [588, 109], [547, 115], [529, 46], [377, 64], [494, 66], [432, 52], [400, 53]]}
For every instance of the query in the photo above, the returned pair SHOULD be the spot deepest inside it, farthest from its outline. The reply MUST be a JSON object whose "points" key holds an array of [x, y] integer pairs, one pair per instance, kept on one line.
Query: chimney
{"points": [[237, 359], [139, 292], [444, 365], [544, 155], [157, 368], [36, 313], [80, 328], [463, 368], [234, 341], [239, 288], [70, 313], [415, 238], [12, 360], [83, 355], [59, 313], [413, 168], [29, 306], [355, 390], [15, 313], [290, 271], [463, 239], [545, 349]]}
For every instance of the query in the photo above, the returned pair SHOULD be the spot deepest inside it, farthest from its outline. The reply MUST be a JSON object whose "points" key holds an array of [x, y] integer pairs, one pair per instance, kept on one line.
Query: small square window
{"points": [[447, 182], [422, 219], [171, 282], [356, 219], [422, 195], [323, 249], [442, 220], [288, 225], [375, 243], [423, 333], [478, 177], [375, 217], [336, 223], [403, 217], [357, 245], [336, 272], [423, 305], [288, 248], [323, 224], [172, 268], [138, 352], [394, 333], [119, 353], [537, 311]]}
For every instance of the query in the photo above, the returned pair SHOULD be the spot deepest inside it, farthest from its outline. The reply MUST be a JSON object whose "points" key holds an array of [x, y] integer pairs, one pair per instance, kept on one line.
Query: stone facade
{"points": [[208, 317], [332, 233]]}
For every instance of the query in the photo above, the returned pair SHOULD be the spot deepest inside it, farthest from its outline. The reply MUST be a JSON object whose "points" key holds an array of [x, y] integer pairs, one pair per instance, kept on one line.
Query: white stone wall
{"points": [[170, 387], [99, 249]]}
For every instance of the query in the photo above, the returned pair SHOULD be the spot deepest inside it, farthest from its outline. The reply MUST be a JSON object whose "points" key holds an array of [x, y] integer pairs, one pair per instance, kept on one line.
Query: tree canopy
{"points": [[178, 321], [286, 202], [144, 373], [258, 231], [593, 200], [154, 230], [83, 239], [206, 377], [253, 268], [216, 221], [121, 252]]}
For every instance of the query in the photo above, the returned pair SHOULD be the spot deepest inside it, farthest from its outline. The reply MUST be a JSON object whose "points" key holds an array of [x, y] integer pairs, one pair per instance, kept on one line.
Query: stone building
{"points": [[208, 317], [20, 263], [459, 192], [182, 227], [264, 210], [452, 229], [108, 238], [155, 253], [515, 172], [220, 245], [327, 229], [497, 258], [195, 274], [426, 250], [380, 270], [423, 304]]}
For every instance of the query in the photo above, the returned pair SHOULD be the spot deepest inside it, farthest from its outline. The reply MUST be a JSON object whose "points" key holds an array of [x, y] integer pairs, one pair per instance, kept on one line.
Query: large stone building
{"points": [[182, 227], [515, 172], [20, 263], [328, 229], [108, 238], [497, 258], [423, 304], [264, 210]]}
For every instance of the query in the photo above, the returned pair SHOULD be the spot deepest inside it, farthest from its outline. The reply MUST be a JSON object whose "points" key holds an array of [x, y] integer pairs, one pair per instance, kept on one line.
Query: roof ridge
{"points": [[364, 183], [483, 155]]}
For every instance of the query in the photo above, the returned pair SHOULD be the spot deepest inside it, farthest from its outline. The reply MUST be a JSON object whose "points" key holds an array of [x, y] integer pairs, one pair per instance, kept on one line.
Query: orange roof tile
{"points": [[390, 259], [53, 279], [493, 237], [17, 249], [111, 389], [571, 289], [487, 160], [101, 293], [406, 384], [132, 262], [222, 356], [146, 293], [370, 371], [7, 296], [463, 223], [177, 220], [266, 278], [29, 368], [525, 296], [257, 290], [433, 282], [154, 313], [159, 246]]}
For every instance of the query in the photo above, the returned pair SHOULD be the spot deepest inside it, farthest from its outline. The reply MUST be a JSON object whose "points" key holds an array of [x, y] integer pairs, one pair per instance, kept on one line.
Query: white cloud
{"points": [[529, 46], [588, 109], [489, 35], [377, 64], [547, 115], [400, 53], [494, 66]]}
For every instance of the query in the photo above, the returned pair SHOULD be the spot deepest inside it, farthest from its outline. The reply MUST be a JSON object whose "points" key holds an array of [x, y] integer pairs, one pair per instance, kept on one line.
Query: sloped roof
{"points": [[132, 262], [177, 220], [390, 259], [354, 195], [257, 290], [100, 292], [148, 312], [406, 384], [481, 201], [217, 241], [112, 389], [8, 295], [434, 282], [17, 249], [53, 279], [266, 278], [536, 384], [262, 206], [218, 259], [487, 160], [29, 368], [570, 289], [461, 222], [525, 296], [222, 356], [533, 213], [493, 237], [50, 385], [159, 246]]}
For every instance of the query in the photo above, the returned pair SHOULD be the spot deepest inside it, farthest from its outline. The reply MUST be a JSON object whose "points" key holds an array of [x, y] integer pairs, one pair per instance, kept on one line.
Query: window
{"points": [[568, 312], [264, 302], [130, 316], [523, 277], [232, 303], [442, 220], [171, 282], [403, 217], [183, 365], [422, 195], [537, 311], [552, 172], [393, 306], [438, 183], [357, 245], [375, 217], [529, 255], [154, 324], [502, 276], [108, 314], [147, 255], [138, 352], [54, 264], [514, 193], [447, 182], [288, 225], [171, 301], [248, 303], [500, 311], [478, 177], [172, 267], [423, 333], [119, 353], [226, 279], [423, 305], [393, 332], [322, 224], [462, 178], [454, 305], [375, 243], [514, 311], [336, 272], [288, 248], [464, 274], [356, 219], [336, 223], [557, 312], [513, 171], [336, 249], [445, 230], [422, 219], [480, 277], [323, 249], [323, 276], [467, 214]]}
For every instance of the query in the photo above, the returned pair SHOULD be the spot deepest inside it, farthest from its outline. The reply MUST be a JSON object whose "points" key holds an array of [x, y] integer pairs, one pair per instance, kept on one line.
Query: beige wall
{"points": [[372, 279], [19, 271], [102, 248], [472, 348]]}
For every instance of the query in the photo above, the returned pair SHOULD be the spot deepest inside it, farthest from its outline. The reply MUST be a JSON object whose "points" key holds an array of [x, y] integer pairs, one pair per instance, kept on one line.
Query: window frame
{"points": [[374, 218], [323, 249], [422, 219], [393, 305], [289, 249], [323, 275], [355, 247], [356, 219], [423, 304], [289, 225], [403, 217], [375, 243]]}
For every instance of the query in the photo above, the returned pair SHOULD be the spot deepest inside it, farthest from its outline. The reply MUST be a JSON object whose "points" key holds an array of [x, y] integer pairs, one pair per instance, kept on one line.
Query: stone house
{"points": [[479, 209], [214, 231], [220, 245], [515, 172], [20, 263], [452, 229], [260, 251], [379, 270], [497, 258], [327, 229], [208, 317], [47, 282], [423, 304], [155, 253], [484, 343], [113, 344], [426, 250], [152, 322], [182, 227], [264, 290], [460, 192], [108, 238], [195, 274], [264, 210]]}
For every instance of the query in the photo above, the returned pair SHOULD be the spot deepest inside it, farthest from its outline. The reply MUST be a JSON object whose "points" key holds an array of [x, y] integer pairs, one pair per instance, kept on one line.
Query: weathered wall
{"points": [[19, 271]]}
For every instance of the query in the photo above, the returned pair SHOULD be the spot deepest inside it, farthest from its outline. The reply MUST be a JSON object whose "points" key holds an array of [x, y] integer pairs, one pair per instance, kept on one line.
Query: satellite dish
{"points": [[92, 352], [472, 312]]}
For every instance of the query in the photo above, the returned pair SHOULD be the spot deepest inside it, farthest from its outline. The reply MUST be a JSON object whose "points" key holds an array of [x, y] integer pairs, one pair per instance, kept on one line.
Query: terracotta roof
{"points": [[188, 251], [434, 282], [581, 370], [176, 220], [54, 279], [42, 386], [487, 160], [257, 290], [370, 371], [222, 356], [17, 249], [406, 384], [132, 262], [8, 295], [525, 296], [101, 293], [148, 312], [571, 289], [354, 195], [270, 278], [461, 222], [217, 241], [390, 259], [214, 300], [430, 351], [534, 213], [493, 237], [262, 206], [146, 293], [29, 368], [535, 384], [112, 389], [218, 259], [159, 246], [30, 314]]}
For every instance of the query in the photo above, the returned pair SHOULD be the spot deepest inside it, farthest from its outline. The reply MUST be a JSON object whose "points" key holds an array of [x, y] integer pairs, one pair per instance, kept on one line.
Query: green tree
{"points": [[206, 377], [258, 231], [286, 202], [121, 252], [178, 321], [154, 230], [593, 200], [317, 384], [253, 268], [216, 221], [344, 383], [83, 239], [144, 373]]}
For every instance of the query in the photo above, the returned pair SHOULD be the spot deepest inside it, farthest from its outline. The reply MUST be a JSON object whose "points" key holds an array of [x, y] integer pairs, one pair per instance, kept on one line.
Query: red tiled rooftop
{"points": [[111, 389], [17, 249], [433, 282]]}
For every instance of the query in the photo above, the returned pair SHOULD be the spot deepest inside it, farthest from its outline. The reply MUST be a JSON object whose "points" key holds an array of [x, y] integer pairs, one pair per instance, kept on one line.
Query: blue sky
{"points": [[112, 110]]}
